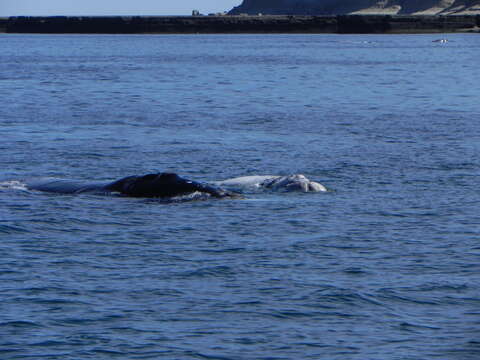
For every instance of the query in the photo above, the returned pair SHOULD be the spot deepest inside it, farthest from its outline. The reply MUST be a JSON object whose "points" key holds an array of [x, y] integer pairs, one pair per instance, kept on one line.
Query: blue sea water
{"points": [[385, 266]]}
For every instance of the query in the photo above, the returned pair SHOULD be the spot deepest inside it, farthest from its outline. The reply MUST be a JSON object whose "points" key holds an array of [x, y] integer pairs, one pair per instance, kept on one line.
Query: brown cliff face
{"points": [[335, 7]]}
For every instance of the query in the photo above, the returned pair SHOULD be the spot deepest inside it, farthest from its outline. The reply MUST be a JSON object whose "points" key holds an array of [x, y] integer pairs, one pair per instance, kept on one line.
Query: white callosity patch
{"points": [[295, 182], [13, 185]]}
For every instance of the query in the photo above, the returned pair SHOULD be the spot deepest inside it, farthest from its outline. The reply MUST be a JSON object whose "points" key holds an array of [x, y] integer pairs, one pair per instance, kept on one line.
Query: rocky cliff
{"points": [[335, 7]]}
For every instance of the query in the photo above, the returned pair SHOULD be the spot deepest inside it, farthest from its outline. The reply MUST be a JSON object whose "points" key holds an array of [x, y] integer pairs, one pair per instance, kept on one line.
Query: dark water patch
{"points": [[214, 271], [10, 272], [87, 321], [344, 298], [137, 331], [460, 354], [10, 229], [154, 354], [455, 288], [7, 351], [223, 251], [410, 327], [105, 352], [43, 301], [50, 289], [48, 356], [389, 296], [199, 355], [355, 271], [20, 324], [49, 343]]}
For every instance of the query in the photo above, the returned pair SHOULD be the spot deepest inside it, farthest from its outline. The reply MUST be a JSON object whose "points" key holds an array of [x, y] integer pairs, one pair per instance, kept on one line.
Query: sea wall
{"points": [[172, 24], [3, 25], [354, 24]]}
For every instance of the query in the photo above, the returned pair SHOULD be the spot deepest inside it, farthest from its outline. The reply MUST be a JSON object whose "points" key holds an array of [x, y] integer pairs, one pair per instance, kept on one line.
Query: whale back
{"points": [[163, 185], [253, 181], [295, 182], [152, 185], [64, 186]]}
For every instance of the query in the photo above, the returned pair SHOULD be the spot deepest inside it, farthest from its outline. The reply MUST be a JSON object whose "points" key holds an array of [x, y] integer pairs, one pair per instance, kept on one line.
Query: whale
{"points": [[155, 185], [288, 183], [171, 185]]}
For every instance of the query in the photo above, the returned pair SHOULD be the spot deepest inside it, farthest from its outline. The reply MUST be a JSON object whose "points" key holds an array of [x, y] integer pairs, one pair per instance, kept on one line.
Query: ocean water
{"points": [[384, 266]]}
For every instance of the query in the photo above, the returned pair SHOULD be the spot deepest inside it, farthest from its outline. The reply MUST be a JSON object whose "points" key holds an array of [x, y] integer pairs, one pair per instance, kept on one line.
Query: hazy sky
{"points": [[113, 7]]}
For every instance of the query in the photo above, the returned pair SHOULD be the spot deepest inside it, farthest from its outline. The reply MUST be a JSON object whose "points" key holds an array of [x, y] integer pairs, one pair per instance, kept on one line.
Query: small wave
{"points": [[107, 352], [444, 287], [223, 251], [91, 320], [20, 324], [291, 314], [52, 301], [393, 296], [354, 271], [412, 327], [49, 343], [9, 229], [336, 297], [211, 357], [196, 196], [209, 271], [49, 289]]}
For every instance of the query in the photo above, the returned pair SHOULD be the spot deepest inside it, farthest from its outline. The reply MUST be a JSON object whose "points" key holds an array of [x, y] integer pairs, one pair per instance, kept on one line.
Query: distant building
{"points": [[195, 13], [218, 14]]}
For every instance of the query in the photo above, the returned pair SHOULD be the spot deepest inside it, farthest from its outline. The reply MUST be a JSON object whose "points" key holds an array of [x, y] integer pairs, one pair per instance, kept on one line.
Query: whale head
{"points": [[296, 182]]}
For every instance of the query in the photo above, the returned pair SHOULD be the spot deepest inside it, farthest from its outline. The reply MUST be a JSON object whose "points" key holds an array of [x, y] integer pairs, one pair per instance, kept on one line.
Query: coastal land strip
{"points": [[339, 24]]}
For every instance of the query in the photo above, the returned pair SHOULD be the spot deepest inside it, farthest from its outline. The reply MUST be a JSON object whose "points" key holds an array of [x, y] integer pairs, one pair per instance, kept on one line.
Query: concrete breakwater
{"points": [[3, 25], [347, 24]]}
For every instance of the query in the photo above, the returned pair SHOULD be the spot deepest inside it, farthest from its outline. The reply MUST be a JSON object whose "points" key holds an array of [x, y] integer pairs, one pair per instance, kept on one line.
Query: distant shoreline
{"points": [[228, 24]]}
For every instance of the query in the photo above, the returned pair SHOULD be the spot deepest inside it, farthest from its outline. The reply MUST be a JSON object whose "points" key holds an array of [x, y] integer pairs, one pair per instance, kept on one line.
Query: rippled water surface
{"points": [[384, 266]]}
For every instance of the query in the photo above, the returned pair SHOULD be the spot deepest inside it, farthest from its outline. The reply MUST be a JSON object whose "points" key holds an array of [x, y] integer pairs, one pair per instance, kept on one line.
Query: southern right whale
{"points": [[169, 185], [160, 185]]}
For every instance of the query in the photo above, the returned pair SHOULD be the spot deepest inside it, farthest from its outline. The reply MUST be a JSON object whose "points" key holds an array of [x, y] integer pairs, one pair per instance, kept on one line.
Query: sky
{"points": [[112, 7]]}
